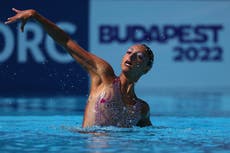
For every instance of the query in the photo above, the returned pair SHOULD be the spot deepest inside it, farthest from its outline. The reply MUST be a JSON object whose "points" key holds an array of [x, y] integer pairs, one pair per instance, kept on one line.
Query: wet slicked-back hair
{"points": [[150, 54]]}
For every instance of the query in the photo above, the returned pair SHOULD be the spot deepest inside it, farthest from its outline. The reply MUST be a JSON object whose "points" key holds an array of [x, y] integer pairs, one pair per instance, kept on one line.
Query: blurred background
{"points": [[190, 40]]}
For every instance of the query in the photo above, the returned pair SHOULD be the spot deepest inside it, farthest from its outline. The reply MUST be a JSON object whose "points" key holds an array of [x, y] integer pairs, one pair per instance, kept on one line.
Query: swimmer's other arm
{"points": [[145, 118]]}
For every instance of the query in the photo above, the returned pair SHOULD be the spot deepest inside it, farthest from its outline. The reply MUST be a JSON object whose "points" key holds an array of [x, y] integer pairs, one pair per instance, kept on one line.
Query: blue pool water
{"points": [[192, 122], [64, 134]]}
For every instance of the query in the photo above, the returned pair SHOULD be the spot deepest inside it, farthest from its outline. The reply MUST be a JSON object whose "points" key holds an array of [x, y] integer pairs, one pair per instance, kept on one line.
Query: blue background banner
{"points": [[190, 74], [189, 39], [30, 62]]}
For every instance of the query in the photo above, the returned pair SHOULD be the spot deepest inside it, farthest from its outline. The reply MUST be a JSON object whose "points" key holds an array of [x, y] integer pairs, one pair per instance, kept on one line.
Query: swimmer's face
{"points": [[135, 60]]}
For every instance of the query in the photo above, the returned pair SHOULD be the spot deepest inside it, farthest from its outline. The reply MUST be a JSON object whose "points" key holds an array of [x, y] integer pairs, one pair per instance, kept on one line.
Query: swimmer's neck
{"points": [[127, 86]]}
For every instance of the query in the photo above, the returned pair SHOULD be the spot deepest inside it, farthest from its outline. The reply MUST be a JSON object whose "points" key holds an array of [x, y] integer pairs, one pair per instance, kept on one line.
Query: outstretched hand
{"points": [[22, 15]]}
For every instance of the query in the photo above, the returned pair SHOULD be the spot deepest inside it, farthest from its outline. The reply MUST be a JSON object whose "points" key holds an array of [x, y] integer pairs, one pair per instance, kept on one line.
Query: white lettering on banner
{"points": [[31, 45], [26, 45], [7, 51]]}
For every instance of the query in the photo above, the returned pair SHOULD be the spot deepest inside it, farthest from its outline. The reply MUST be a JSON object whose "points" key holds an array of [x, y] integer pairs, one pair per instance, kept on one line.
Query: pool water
{"points": [[64, 134]]}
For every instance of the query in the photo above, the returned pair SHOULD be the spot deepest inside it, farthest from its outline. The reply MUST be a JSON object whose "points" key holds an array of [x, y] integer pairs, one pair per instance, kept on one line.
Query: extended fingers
{"points": [[10, 20], [15, 10]]}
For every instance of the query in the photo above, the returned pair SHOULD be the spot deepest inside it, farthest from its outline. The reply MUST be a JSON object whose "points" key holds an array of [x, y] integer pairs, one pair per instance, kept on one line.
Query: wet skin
{"points": [[112, 99]]}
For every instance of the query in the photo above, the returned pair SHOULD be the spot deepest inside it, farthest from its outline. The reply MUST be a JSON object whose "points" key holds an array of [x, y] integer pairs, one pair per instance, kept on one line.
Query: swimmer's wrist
{"points": [[33, 13]]}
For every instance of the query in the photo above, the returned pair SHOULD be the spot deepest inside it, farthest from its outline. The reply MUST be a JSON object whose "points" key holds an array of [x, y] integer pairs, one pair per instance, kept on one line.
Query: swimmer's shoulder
{"points": [[144, 106], [145, 114]]}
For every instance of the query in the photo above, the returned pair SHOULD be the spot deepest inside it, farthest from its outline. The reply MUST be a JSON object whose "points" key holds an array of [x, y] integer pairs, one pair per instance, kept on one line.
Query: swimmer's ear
{"points": [[146, 69]]}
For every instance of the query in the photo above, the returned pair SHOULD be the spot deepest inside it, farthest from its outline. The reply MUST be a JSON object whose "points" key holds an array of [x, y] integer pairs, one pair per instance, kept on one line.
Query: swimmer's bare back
{"points": [[112, 100]]}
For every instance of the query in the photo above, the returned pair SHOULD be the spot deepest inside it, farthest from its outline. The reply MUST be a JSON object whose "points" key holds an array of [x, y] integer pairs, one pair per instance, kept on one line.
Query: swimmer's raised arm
{"points": [[92, 63]]}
